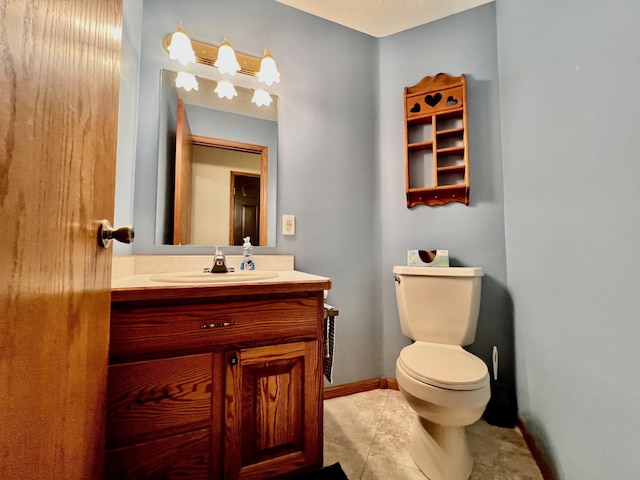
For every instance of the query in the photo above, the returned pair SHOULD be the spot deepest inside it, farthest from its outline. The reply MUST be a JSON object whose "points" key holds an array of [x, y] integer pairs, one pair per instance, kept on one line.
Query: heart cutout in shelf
{"points": [[452, 101], [433, 100], [415, 108]]}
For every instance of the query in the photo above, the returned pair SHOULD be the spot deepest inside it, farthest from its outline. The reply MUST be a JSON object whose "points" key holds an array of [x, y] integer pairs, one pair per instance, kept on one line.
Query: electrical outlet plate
{"points": [[288, 225]]}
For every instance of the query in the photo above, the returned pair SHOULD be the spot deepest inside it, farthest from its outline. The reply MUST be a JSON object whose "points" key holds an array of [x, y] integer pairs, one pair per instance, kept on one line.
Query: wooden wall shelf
{"points": [[436, 154]]}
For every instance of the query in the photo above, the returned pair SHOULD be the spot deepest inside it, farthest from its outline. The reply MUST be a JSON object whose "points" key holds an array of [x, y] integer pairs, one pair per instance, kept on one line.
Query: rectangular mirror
{"points": [[217, 166]]}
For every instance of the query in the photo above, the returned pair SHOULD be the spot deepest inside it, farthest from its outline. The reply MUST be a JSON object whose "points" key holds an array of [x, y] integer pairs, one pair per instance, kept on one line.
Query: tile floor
{"points": [[368, 433]]}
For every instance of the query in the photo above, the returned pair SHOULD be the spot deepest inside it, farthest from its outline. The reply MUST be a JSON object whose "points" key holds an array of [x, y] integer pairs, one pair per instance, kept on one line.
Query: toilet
{"points": [[447, 386]]}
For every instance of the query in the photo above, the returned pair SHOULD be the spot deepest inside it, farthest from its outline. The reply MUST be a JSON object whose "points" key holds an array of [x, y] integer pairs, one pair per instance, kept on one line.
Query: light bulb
{"points": [[187, 81], [225, 90], [268, 70], [227, 61], [261, 97], [180, 47]]}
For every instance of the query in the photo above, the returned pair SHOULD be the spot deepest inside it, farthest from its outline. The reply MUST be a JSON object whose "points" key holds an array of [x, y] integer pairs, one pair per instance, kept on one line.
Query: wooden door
{"points": [[183, 189], [58, 115], [245, 207], [272, 411]]}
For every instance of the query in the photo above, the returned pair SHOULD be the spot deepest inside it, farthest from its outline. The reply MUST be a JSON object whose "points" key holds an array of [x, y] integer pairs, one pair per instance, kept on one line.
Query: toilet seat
{"points": [[444, 366]]}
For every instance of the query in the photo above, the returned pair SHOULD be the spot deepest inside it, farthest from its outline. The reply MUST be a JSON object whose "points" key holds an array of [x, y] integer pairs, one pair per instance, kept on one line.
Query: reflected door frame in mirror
{"points": [[263, 152]]}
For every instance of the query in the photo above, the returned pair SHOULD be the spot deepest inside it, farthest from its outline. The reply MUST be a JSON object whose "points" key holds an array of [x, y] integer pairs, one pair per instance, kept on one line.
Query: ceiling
{"points": [[380, 18]]}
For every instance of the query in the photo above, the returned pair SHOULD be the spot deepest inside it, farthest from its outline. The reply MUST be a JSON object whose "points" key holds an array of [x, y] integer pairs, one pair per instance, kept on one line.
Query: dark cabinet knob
{"points": [[233, 360]]}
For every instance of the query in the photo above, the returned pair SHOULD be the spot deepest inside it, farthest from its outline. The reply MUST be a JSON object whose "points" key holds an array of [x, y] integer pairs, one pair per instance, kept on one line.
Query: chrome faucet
{"points": [[219, 265]]}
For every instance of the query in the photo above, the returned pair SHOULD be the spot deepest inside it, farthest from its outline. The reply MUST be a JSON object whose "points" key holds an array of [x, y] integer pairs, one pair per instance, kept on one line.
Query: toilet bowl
{"points": [[445, 385], [449, 389]]}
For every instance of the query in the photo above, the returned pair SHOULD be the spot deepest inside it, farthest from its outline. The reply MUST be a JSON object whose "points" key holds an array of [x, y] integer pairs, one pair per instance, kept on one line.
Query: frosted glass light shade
{"points": [[227, 61], [225, 90], [180, 48], [187, 81], [261, 97], [268, 70]]}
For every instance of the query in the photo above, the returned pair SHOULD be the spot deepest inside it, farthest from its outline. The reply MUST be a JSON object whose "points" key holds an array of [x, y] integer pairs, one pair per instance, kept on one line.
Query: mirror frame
{"points": [[268, 194]]}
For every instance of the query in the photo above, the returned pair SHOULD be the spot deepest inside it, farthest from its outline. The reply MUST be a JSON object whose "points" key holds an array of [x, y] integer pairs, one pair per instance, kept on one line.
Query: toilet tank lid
{"points": [[439, 271]]}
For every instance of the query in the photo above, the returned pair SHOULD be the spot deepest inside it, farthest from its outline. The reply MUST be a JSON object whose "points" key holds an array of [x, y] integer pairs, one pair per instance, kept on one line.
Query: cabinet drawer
{"points": [[147, 331], [179, 456], [158, 397]]}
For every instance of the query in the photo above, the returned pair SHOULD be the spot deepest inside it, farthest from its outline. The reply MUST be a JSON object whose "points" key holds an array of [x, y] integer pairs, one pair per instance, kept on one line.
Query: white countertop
{"points": [[133, 278], [144, 281]]}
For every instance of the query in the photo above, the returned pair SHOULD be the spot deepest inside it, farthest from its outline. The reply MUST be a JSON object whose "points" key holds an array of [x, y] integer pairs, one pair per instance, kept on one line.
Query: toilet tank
{"points": [[439, 304]]}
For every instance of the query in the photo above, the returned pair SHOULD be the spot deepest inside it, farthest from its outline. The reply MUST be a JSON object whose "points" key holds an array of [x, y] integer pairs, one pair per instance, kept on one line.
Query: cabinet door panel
{"points": [[272, 410], [158, 397], [183, 456]]}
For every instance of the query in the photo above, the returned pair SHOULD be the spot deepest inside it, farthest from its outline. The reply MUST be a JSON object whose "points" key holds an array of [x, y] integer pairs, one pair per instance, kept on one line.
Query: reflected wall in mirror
{"points": [[217, 167]]}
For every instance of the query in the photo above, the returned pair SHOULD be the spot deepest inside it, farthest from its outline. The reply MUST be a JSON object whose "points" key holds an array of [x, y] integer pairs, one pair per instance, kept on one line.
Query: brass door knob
{"points": [[106, 234]]}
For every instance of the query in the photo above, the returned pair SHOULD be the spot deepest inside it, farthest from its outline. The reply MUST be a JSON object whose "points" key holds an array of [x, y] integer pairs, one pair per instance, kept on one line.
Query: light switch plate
{"points": [[288, 225]]}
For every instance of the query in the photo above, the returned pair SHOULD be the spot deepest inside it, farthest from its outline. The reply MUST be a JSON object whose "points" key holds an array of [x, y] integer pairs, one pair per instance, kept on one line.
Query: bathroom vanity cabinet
{"points": [[215, 382], [437, 160]]}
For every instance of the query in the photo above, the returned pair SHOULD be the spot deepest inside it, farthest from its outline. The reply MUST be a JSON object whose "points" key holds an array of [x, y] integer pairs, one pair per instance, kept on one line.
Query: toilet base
{"points": [[441, 452]]}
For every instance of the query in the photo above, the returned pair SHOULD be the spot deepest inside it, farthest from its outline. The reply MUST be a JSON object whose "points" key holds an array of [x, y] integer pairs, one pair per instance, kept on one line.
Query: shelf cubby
{"points": [[437, 163]]}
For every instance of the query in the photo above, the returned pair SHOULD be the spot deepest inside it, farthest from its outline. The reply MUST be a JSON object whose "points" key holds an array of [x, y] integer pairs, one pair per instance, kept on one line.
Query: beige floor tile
{"points": [[351, 460], [352, 420], [500, 453], [380, 468], [368, 433], [394, 431]]}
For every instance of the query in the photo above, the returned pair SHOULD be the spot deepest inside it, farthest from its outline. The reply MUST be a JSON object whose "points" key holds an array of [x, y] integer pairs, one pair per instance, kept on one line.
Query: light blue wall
{"points": [[326, 152], [554, 170], [341, 160], [570, 121], [127, 117], [474, 234]]}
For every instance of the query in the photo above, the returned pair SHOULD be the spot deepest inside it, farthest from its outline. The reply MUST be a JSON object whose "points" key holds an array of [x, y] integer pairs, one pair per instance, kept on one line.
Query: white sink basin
{"points": [[200, 277]]}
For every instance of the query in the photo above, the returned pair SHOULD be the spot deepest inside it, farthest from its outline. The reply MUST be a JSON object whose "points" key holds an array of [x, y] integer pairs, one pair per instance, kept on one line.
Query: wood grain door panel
{"points": [[58, 128], [157, 398], [183, 182], [179, 457], [271, 415], [245, 208]]}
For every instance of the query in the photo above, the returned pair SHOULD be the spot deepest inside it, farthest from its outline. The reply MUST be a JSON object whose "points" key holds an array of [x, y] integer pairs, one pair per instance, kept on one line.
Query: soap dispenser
{"points": [[247, 261]]}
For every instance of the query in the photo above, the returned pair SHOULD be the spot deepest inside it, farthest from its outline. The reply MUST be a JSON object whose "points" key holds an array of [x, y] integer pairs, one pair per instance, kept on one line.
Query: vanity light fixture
{"points": [[180, 47], [227, 61], [268, 70], [264, 69], [187, 81], [225, 89], [261, 97]]}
